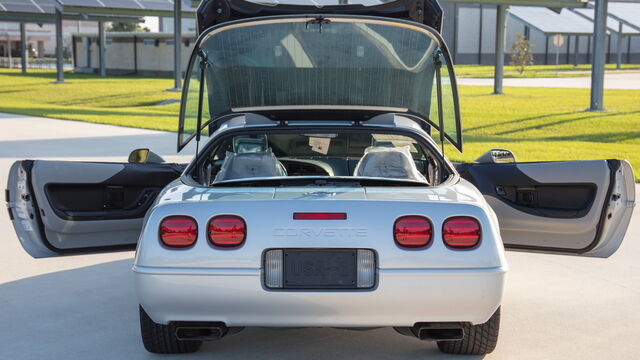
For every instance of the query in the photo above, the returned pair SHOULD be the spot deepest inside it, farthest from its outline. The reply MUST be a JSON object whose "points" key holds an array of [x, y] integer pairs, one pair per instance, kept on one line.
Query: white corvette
{"points": [[320, 197]]}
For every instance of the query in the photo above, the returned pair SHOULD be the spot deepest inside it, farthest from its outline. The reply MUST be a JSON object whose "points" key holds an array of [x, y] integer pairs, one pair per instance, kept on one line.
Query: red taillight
{"points": [[461, 232], [178, 231], [319, 216], [412, 231], [227, 231]]}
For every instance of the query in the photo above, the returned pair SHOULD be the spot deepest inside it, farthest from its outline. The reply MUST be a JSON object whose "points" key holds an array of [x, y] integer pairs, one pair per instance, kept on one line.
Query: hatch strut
{"points": [[203, 67], [438, 64]]}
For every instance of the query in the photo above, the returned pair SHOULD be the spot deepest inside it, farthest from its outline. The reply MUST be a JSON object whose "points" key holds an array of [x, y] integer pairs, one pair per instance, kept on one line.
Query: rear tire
{"points": [[478, 339], [161, 339]]}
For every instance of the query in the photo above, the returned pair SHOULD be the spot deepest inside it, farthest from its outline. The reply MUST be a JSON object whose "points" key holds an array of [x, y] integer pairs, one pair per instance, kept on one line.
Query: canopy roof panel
{"points": [[627, 12], [43, 11], [125, 7], [550, 22], [22, 6], [612, 23]]}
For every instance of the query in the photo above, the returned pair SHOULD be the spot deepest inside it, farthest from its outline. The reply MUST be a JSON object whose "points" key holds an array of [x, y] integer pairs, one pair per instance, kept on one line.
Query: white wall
{"points": [[154, 53]]}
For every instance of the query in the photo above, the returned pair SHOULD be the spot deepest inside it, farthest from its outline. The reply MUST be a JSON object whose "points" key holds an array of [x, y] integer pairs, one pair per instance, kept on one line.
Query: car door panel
{"points": [[61, 207], [574, 207]]}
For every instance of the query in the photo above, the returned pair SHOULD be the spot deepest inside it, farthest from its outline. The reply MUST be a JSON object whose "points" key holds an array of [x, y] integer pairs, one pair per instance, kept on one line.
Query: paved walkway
{"points": [[84, 307], [628, 80]]}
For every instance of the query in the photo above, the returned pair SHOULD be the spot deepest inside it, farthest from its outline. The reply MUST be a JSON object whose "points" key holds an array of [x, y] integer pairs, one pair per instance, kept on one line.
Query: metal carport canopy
{"points": [[626, 12], [166, 8], [43, 11], [550, 22], [125, 7], [625, 21], [612, 23]]}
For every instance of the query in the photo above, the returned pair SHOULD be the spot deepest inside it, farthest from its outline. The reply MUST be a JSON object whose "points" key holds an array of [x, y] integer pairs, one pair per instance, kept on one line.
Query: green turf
{"points": [[538, 124], [118, 100], [486, 71]]}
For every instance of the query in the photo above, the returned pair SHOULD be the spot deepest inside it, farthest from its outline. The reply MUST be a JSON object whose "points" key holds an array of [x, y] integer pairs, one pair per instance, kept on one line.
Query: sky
{"points": [[151, 22]]}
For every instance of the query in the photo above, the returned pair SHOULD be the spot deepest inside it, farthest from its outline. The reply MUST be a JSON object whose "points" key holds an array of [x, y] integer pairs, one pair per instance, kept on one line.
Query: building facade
{"points": [[470, 32]]}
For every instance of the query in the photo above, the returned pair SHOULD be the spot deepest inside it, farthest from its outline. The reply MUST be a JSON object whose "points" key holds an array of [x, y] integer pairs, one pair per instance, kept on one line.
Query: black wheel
{"points": [[161, 339], [478, 339]]}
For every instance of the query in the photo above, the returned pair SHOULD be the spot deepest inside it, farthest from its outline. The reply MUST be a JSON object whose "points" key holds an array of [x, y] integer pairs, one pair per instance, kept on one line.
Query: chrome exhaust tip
{"points": [[200, 331]]}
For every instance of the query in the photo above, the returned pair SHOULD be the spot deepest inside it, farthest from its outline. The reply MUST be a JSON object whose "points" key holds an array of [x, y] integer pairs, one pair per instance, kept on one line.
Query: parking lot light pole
{"points": [[501, 30], [597, 70]]}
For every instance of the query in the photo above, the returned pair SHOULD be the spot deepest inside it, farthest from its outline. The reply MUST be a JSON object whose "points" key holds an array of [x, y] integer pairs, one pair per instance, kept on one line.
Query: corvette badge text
{"points": [[333, 232]]}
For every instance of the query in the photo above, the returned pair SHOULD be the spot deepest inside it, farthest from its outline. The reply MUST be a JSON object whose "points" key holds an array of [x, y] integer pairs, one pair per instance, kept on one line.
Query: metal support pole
{"points": [[480, 38], [576, 51], [620, 38], [546, 50], [608, 60], [24, 48], [86, 44], [501, 30], [135, 54], [597, 70], [59, 59], [9, 51], [102, 46], [177, 39], [455, 32]]}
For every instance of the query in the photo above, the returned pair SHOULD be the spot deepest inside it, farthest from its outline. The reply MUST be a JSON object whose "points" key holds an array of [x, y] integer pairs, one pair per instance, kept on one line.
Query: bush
{"points": [[521, 54]]}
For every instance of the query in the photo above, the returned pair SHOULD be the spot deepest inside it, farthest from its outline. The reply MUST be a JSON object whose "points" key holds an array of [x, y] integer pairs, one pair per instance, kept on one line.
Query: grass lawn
{"points": [[486, 71], [538, 124], [118, 100]]}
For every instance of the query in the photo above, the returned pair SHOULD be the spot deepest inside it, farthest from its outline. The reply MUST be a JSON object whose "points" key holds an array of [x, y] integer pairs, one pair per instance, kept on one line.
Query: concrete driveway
{"points": [[84, 307], [629, 80]]}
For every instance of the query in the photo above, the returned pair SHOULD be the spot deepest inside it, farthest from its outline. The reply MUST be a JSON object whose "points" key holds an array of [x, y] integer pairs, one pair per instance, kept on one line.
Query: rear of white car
{"points": [[458, 277], [320, 198]]}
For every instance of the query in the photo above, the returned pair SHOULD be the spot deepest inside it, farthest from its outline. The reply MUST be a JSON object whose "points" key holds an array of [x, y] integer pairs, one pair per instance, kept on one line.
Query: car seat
{"points": [[250, 165], [388, 162]]}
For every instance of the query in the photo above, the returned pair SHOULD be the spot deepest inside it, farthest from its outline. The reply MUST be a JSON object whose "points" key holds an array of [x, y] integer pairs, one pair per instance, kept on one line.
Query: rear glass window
{"points": [[326, 155]]}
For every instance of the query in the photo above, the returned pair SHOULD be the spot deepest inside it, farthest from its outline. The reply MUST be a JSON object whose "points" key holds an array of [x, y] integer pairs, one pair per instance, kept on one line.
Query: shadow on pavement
{"points": [[91, 312]]}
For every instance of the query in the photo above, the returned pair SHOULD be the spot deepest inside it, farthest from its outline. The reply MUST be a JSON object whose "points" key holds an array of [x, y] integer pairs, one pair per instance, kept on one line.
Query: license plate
{"points": [[320, 269]]}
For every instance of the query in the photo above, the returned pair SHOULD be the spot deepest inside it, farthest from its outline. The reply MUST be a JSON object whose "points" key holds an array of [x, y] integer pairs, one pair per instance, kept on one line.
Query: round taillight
{"points": [[412, 231], [227, 230], [178, 231], [461, 232]]}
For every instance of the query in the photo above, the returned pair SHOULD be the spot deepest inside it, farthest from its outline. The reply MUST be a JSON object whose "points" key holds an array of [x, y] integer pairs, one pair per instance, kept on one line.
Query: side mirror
{"points": [[141, 156], [497, 156]]}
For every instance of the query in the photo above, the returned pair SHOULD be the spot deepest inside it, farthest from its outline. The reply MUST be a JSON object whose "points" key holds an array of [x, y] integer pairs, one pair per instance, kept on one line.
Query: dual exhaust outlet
{"points": [[208, 331]]}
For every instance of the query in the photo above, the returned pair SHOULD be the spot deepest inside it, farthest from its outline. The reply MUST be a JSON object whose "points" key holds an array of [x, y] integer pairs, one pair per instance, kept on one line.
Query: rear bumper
{"points": [[238, 298]]}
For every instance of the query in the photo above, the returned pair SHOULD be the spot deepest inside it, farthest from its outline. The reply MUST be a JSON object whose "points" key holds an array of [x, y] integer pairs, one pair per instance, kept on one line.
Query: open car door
{"points": [[570, 207], [64, 207]]}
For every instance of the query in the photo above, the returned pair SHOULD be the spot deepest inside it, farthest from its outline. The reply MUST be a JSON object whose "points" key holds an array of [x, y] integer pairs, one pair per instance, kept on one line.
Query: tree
{"points": [[521, 54], [127, 27]]}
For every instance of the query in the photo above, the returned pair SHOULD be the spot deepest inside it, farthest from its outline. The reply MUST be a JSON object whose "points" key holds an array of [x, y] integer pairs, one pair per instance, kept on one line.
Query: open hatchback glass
{"points": [[320, 67]]}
